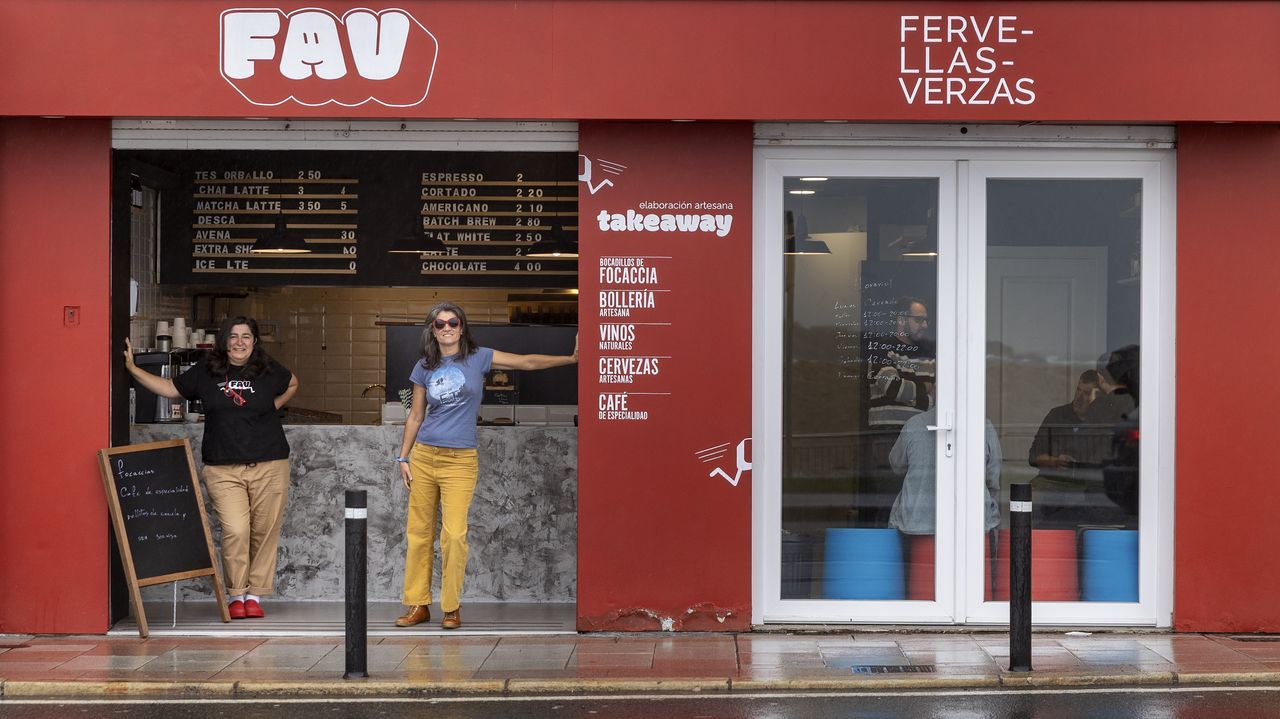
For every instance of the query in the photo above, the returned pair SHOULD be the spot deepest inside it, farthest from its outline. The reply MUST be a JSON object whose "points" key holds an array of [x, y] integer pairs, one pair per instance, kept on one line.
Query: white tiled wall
{"points": [[155, 301]]}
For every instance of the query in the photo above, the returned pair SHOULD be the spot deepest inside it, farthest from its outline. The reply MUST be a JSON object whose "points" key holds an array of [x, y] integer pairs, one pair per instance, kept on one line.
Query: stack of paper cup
{"points": [[163, 341], [180, 337]]}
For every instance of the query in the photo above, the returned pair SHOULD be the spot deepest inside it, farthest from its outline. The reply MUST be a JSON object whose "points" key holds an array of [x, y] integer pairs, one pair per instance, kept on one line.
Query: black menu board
{"points": [[478, 215], [157, 512], [491, 221], [232, 210], [160, 507]]}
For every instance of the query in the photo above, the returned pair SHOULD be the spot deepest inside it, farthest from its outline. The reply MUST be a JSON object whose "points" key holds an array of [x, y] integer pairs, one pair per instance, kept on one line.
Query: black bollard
{"points": [[1020, 578], [357, 609]]}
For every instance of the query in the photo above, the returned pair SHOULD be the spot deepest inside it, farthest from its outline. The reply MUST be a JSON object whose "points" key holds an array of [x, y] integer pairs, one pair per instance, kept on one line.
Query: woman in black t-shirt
{"points": [[246, 456]]}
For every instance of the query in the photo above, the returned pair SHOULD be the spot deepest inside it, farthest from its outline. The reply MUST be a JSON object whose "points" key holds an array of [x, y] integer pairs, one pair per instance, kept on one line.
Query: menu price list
{"points": [[146, 513], [152, 498], [489, 223], [373, 218], [235, 210], [630, 382]]}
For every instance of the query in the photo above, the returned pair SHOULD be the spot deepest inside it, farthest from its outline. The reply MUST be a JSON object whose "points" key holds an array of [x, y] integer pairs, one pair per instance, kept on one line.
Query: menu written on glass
{"points": [[236, 210], [488, 223]]}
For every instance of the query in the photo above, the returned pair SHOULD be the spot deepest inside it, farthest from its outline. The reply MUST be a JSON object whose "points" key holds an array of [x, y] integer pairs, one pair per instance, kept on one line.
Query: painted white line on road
{"points": [[799, 694]]}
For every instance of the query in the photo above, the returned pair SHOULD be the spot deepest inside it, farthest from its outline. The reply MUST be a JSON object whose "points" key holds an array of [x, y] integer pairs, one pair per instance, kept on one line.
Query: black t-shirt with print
{"points": [[238, 432]]}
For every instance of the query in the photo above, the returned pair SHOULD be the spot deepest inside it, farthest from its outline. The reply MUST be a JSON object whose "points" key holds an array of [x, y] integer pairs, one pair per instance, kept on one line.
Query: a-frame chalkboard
{"points": [[157, 512]]}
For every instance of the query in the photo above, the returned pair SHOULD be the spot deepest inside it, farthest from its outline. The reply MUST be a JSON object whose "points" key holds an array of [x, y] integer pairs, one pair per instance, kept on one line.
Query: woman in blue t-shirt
{"points": [[438, 454]]}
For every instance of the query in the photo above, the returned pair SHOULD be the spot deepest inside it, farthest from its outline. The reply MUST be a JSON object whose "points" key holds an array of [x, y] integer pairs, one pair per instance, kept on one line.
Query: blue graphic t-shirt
{"points": [[454, 391]]}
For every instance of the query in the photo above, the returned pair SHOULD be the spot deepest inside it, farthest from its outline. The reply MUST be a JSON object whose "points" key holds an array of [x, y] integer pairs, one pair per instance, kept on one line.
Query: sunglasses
{"points": [[452, 322], [235, 396]]}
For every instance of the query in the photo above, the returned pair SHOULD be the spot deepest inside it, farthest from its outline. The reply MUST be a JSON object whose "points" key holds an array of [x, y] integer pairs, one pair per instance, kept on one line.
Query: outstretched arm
{"points": [[159, 386], [506, 360]]}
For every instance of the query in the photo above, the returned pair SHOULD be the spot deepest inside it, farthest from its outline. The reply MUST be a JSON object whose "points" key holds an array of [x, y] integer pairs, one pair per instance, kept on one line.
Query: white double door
{"points": [[934, 326]]}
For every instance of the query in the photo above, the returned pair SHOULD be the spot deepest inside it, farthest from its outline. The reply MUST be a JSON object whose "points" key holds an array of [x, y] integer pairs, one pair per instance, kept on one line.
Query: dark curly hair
{"points": [[259, 363]]}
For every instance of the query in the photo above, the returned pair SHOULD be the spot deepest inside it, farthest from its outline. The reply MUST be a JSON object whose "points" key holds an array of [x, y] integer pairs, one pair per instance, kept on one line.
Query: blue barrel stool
{"points": [[1110, 565], [863, 564]]}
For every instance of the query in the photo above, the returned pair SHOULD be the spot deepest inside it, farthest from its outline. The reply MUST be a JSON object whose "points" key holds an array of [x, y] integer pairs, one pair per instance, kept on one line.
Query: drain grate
{"points": [[1256, 638], [893, 669]]}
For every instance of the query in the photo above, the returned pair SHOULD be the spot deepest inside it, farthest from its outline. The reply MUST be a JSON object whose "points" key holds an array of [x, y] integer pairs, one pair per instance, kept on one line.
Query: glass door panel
{"points": [[1060, 378], [859, 504], [888, 463]]}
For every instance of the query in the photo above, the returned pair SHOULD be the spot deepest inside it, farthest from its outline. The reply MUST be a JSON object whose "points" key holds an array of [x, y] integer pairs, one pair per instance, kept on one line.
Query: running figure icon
{"points": [[718, 451]]}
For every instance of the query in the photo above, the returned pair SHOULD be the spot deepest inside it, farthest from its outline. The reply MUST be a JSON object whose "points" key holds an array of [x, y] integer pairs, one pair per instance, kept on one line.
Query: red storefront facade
{"points": [[660, 545]]}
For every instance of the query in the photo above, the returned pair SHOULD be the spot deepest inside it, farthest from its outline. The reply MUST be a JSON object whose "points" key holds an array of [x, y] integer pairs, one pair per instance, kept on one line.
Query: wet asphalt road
{"points": [[1165, 703]]}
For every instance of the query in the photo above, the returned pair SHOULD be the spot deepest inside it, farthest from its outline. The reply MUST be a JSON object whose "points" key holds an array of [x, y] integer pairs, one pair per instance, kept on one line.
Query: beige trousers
{"points": [[443, 479], [249, 500]]}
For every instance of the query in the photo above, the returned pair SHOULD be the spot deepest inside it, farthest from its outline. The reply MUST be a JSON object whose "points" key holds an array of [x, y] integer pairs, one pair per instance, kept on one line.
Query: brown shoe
{"points": [[416, 615], [452, 620]]}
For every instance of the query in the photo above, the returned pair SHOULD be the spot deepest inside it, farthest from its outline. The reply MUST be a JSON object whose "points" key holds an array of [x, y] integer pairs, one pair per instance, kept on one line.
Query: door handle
{"points": [[945, 426]]}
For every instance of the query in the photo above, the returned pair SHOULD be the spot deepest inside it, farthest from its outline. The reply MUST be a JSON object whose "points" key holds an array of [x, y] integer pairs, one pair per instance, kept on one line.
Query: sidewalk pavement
{"points": [[762, 661]]}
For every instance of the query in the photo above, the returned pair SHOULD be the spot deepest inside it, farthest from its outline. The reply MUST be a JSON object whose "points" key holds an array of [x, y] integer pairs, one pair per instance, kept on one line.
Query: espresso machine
{"points": [[148, 407], [184, 360]]}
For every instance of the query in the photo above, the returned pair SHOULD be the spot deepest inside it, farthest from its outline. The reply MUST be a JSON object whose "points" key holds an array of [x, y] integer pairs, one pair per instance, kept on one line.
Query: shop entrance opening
{"points": [[346, 318]]}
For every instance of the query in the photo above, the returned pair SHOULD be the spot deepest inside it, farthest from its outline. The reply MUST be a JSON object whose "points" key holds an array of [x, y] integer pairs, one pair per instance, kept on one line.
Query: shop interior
{"points": [[348, 338]]}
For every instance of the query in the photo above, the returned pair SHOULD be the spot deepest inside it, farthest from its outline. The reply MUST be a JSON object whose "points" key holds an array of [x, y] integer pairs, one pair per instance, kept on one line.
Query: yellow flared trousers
{"points": [[443, 478]]}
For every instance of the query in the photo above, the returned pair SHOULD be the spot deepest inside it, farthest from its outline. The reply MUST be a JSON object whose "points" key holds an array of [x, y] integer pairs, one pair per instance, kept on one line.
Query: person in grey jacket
{"points": [[915, 454]]}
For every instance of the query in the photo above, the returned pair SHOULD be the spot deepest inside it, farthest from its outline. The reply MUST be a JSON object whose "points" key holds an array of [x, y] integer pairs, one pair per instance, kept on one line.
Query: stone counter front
{"points": [[523, 523]]}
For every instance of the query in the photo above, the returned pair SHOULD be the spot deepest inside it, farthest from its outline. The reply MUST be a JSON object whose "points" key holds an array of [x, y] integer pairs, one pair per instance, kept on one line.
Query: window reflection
{"points": [[1063, 280], [859, 367], [859, 504]]}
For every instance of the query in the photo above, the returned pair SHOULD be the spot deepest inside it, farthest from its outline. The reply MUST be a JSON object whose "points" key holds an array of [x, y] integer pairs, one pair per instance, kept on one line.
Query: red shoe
{"points": [[253, 610], [236, 609]]}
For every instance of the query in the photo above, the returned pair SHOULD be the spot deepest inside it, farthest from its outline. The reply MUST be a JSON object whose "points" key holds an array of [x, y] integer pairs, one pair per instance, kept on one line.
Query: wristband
{"points": [[402, 459]]}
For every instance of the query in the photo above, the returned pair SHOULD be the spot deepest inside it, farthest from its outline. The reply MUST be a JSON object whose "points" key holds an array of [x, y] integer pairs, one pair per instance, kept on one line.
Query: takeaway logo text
{"points": [[314, 57]]}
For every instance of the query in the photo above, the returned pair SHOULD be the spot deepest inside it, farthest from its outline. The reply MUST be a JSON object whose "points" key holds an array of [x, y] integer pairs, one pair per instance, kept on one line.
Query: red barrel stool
{"points": [[920, 572], [1054, 570]]}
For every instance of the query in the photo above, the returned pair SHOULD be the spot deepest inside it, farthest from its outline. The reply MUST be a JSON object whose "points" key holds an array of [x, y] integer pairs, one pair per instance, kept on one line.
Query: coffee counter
{"points": [[523, 524]]}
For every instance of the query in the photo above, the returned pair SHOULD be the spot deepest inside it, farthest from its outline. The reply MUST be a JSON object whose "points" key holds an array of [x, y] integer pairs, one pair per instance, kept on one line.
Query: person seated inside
{"points": [[1066, 452]]}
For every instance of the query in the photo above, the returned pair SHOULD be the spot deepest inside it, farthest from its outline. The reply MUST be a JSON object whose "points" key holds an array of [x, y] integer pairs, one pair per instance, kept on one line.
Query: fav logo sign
{"points": [[314, 57]]}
